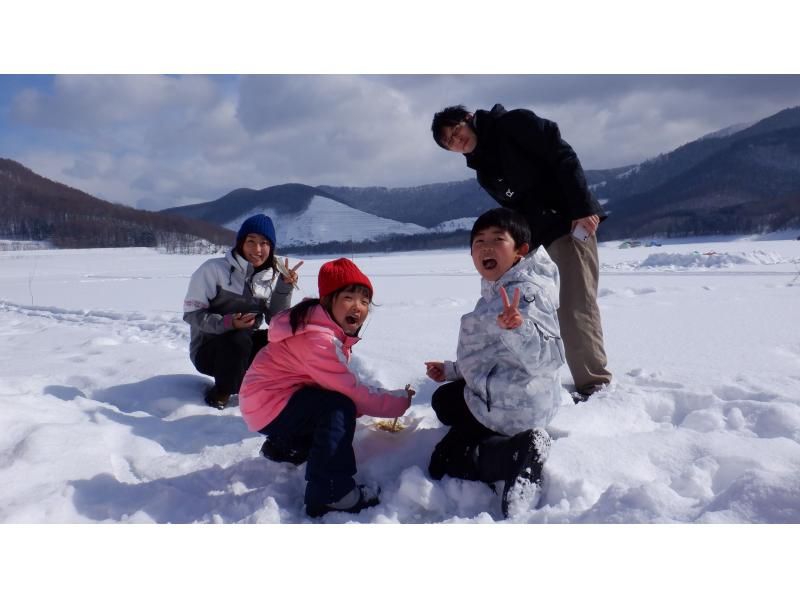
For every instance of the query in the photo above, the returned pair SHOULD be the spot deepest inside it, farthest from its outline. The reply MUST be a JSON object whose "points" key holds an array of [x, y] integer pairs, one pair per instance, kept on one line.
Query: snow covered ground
{"points": [[103, 419]]}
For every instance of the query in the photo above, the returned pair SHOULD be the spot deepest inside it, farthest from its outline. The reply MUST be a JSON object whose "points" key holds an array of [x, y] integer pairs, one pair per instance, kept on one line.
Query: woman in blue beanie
{"points": [[227, 301]]}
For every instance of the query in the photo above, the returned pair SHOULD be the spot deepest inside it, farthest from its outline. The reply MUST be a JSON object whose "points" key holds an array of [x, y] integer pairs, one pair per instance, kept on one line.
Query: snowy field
{"points": [[103, 418]]}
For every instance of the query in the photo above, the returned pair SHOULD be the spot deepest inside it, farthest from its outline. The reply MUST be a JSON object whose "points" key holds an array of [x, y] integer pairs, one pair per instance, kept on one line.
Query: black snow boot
{"points": [[362, 497], [216, 398], [274, 451], [517, 461], [454, 456]]}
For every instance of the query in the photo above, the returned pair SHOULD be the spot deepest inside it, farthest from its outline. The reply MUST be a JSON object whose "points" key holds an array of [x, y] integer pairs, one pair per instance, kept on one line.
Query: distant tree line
{"points": [[458, 238]]}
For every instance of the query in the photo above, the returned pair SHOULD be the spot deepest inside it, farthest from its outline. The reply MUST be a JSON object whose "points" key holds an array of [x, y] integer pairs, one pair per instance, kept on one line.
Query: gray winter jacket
{"points": [[223, 286], [512, 378]]}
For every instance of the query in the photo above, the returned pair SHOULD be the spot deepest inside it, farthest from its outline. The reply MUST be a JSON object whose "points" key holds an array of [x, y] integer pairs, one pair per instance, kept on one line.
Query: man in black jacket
{"points": [[523, 163]]}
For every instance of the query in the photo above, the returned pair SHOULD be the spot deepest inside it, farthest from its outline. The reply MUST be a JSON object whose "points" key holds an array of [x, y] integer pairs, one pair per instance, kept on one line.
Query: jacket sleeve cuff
{"points": [[227, 321], [282, 287], [451, 371]]}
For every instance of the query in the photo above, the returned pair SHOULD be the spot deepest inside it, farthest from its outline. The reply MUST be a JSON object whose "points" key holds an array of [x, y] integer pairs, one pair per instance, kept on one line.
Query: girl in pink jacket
{"points": [[302, 395]]}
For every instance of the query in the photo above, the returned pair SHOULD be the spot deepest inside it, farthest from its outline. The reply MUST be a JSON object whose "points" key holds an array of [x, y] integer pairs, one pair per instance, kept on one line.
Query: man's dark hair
{"points": [[510, 221], [449, 117]]}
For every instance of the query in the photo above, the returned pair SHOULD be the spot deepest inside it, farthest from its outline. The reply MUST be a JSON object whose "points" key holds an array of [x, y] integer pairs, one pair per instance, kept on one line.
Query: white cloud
{"points": [[158, 141]]}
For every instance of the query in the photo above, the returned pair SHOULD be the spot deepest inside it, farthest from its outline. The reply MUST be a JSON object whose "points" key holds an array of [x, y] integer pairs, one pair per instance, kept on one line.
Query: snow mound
{"points": [[710, 260], [452, 225], [697, 260]]}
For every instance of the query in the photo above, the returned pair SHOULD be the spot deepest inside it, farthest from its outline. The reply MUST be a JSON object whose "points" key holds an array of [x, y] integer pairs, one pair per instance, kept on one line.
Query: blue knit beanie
{"points": [[259, 224]]}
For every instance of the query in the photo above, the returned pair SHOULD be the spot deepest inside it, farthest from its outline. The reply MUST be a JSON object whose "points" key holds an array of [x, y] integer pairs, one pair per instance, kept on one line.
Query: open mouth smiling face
{"points": [[494, 252], [350, 309]]}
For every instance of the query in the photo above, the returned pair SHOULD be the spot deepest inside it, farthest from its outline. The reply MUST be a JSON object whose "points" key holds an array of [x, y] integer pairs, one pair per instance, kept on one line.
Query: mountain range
{"points": [[743, 179], [326, 219]]}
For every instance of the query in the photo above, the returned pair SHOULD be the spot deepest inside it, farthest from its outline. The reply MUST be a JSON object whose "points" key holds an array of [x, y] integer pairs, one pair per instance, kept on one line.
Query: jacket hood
{"points": [[497, 110], [237, 261], [319, 320], [486, 118]]}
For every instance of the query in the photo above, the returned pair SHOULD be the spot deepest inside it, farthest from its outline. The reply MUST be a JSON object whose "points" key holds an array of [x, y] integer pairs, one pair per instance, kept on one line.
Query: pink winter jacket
{"points": [[317, 355]]}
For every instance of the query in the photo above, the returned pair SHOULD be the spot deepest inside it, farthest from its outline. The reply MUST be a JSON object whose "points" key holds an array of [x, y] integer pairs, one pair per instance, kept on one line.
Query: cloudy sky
{"points": [[155, 141]]}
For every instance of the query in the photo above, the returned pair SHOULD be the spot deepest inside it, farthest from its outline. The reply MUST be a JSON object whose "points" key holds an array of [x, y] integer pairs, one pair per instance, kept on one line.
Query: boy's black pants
{"points": [[228, 356], [455, 454]]}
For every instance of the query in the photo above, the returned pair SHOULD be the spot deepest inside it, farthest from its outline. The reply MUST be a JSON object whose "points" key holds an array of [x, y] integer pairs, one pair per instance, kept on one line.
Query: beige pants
{"points": [[578, 314]]}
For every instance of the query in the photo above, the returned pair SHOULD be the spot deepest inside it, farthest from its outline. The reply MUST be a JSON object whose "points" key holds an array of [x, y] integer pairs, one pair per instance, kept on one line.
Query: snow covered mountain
{"points": [[426, 205], [326, 220]]}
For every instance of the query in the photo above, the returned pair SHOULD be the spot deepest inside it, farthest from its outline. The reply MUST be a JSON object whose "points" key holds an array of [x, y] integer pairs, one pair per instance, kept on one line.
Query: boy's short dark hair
{"points": [[449, 117], [505, 219]]}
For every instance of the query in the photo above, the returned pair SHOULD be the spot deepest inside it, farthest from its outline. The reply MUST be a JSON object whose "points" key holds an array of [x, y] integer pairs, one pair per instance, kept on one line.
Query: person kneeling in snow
{"points": [[505, 384], [301, 393], [228, 299]]}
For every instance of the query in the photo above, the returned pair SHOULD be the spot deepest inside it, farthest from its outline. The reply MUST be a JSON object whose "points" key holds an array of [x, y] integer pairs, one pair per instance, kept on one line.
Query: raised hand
{"points": [[290, 275], [511, 317], [435, 370], [411, 392]]}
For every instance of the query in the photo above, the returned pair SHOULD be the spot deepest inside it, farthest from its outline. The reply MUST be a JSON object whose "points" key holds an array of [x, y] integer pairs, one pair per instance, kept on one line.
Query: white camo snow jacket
{"points": [[512, 376]]}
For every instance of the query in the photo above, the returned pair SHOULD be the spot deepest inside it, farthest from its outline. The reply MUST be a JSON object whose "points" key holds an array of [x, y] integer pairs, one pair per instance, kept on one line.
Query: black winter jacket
{"points": [[523, 163]]}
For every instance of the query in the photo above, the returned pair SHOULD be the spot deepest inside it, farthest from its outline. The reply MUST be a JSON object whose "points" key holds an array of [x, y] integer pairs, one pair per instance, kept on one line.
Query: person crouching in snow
{"points": [[505, 386], [301, 393], [228, 299]]}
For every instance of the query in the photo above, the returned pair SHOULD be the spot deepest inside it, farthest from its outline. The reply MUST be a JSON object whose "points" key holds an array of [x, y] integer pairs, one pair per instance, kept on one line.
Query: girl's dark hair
{"points": [[448, 117], [505, 219], [298, 315]]}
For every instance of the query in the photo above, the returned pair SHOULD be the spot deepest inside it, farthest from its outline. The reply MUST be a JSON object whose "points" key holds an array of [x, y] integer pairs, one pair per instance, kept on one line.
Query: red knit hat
{"points": [[339, 274]]}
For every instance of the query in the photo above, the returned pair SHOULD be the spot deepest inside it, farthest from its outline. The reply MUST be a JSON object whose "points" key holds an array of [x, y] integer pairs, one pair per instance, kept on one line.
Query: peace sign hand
{"points": [[289, 275], [511, 317]]}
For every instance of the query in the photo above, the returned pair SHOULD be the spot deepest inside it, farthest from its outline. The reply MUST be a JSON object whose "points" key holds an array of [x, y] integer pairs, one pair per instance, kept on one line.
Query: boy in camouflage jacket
{"points": [[505, 385]]}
